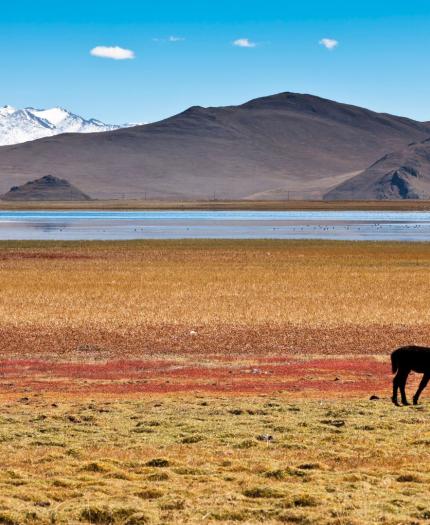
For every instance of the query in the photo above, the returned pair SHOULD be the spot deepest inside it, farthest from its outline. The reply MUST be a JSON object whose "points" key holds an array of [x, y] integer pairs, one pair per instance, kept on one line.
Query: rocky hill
{"points": [[403, 174], [47, 188]]}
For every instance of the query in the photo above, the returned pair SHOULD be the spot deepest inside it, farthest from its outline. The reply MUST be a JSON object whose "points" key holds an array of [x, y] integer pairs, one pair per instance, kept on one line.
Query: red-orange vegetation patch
{"points": [[321, 377]]}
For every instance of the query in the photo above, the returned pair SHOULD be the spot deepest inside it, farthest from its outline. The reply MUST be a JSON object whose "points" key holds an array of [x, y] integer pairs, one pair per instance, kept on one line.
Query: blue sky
{"points": [[380, 61]]}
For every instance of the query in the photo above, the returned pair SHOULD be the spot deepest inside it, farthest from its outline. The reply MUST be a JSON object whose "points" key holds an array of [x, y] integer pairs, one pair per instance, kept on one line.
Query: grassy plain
{"points": [[210, 382], [201, 459]]}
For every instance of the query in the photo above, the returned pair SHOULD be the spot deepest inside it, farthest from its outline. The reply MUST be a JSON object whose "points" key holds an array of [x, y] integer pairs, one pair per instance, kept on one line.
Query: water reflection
{"points": [[95, 225], [47, 226]]}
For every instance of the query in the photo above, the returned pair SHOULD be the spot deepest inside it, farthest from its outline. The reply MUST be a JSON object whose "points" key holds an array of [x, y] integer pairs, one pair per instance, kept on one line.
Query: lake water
{"points": [[110, 225]]}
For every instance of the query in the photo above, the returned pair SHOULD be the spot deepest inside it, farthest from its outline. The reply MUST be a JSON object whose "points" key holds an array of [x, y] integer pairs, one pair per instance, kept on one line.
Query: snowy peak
{"points": [[22, 125], [54, 115], [66, 122], [7, 110]]}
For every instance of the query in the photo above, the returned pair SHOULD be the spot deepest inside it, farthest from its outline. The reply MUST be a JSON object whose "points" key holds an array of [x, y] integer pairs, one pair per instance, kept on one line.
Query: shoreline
{"points": [[293, 205]]}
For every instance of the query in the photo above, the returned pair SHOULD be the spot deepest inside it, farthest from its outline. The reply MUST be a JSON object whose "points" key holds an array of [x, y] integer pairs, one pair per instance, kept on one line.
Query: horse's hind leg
{"points": [[395, 389], [423, 384], [399, 382]]}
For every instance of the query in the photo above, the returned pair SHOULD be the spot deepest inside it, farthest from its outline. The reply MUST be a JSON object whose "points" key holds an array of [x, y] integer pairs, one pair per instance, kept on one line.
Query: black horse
{"points": [[405, 360]]}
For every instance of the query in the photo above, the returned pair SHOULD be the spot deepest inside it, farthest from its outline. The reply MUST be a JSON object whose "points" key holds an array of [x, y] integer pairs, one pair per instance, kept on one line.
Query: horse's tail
{"points": [[394, 361]]}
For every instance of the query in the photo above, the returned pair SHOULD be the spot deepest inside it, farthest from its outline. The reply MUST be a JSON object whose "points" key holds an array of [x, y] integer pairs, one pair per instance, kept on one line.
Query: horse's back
{"points": [[413, 357]]}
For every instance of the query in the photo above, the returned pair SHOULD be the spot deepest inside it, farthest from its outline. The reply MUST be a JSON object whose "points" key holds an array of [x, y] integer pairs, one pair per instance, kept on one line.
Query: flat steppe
{"points": [[263, 205], [210, 382]]}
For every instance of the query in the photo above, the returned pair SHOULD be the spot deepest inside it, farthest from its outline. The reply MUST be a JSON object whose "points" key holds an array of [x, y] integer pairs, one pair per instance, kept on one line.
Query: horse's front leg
{"points": [[402, 384], [423, 384]]}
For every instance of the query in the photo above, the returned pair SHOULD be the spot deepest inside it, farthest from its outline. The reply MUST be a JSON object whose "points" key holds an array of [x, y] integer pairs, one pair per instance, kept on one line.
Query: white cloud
{"points": [[113, 52], [244, 42], [329, 43]]}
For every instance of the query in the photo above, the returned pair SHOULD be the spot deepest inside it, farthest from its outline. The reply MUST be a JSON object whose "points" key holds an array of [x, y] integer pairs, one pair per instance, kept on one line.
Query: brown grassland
{"points": [[210, 382], [141, 204]]}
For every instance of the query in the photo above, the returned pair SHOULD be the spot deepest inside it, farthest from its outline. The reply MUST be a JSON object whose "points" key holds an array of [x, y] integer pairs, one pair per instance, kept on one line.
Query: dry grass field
{"points": [[229, 298], [210, 382]]}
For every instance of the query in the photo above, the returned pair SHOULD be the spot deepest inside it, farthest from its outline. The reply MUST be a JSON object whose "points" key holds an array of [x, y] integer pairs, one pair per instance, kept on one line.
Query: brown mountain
{"points": [[47, 188], [270, 147], [403, 174]]}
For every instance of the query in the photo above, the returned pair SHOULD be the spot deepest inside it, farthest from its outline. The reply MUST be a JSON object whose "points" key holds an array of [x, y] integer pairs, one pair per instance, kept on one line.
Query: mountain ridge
{"points": [[27, 124], [283, 144]]}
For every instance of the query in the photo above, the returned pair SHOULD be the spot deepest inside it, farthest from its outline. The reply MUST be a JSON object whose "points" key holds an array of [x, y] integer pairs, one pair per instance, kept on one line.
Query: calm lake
{"points": [[110, 225]]}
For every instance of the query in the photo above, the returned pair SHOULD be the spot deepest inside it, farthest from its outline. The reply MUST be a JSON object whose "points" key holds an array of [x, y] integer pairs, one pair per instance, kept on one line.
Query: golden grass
{"points": [[204, 460], [122, 285], [226, 297]]}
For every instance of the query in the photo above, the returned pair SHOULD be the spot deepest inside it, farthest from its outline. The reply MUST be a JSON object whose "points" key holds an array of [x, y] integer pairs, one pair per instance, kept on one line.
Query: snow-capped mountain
{"points": [[22, 125]]}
